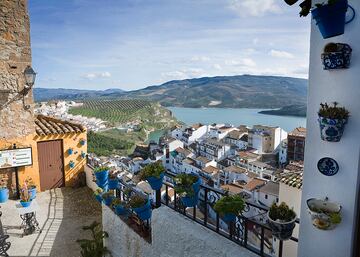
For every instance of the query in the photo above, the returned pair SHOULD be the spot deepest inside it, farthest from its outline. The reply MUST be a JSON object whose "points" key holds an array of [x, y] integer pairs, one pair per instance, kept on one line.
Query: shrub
{"points": [[230, 205], [281, 212], [333, 112], [152, 170], [184, 182], [137, 201]]}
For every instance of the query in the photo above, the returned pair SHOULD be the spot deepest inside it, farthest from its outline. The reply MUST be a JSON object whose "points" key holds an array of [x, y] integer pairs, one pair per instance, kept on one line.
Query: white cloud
{"points": [[92, 76], [217, 66], [183, 74], [200, 58], [254, 7], [247, 62], [281, 54]]}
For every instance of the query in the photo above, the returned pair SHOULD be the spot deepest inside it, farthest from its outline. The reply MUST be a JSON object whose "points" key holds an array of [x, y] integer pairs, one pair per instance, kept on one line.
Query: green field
{"points": [[149, 115]]}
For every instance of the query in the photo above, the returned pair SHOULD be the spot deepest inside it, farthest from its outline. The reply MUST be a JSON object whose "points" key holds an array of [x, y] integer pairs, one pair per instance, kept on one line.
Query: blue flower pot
{"points": [[25, 204], [229, 217], [72, 165], [99, 198], [113, 183], [331, 130], [83, 155], [70, 151], [189, 201], [103, 186], [156, 183], [4, 195], [120, 210], [32, 193], [339, 59], [102, 176], [331, 18], [196, 185], [108, 200], [82, 142], [144, 212]]}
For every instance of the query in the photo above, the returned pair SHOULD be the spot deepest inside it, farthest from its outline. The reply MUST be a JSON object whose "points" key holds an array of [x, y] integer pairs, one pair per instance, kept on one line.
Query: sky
{"points": [[131, 44]]}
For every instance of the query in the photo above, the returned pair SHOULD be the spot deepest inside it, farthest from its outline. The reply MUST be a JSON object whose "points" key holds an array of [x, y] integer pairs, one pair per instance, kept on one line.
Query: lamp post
{"points": [[30, 76]]}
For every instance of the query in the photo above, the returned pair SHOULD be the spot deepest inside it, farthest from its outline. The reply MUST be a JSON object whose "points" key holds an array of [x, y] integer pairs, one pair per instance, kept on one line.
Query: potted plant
{"points": [[113, 180], [108, 197], [331, 17], [187, 186], [119, 206], [229, 207], [98, 195], [83, 154], [325, 215], [4, 191], [281, 220], [141, 206], [31, 187], [82, 141], [154, 174], [72, 164], [336, 56], [102, 176], [70, 151], [25, 199], [332, 121]]}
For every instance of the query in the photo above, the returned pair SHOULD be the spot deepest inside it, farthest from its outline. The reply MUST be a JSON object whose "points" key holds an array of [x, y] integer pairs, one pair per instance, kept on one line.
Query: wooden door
{"points": [[51, 164]]}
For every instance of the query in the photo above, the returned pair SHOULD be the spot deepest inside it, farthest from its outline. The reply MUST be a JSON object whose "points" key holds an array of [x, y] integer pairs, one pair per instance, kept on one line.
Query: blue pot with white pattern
{"points": [[331, 130], [339, 59]]}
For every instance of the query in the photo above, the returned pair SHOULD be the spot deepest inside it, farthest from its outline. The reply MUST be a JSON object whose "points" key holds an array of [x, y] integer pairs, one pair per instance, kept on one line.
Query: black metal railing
{"points": [[250, 229]]}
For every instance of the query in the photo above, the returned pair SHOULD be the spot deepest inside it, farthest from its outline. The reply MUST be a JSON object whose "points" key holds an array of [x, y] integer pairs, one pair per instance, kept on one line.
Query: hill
{"points": [[245, 91], [291, 110]]}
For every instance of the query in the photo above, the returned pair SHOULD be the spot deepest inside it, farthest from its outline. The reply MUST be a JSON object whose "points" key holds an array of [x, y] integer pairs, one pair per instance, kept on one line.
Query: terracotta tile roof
{"points": [[298, 132], [211, 169], [183, 151], [235, 169], [45, 125], [202, 159], [232, 188], [292, 179], [254, 184]]}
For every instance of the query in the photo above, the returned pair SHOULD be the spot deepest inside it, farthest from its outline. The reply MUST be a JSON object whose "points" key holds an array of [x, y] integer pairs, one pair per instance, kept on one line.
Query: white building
{"points": [[213, 149]]}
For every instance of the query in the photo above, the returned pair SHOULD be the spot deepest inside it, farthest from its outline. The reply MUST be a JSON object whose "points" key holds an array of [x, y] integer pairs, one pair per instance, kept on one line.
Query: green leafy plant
{"points": [[100, 169], [333, 112], [94, 247], [230, 205], [137, 201], [282, 212], [152, 170], [335, 218], [330, 47], [98, 191], [184, 184]]}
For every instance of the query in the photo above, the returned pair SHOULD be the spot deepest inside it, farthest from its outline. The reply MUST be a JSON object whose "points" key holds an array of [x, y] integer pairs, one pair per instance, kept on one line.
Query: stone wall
{"points": [[173, 235], [16, 110]]}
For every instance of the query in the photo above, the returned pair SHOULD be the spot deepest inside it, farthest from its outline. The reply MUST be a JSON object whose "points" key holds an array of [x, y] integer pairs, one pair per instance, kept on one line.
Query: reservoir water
{"points": [[236, 117]]}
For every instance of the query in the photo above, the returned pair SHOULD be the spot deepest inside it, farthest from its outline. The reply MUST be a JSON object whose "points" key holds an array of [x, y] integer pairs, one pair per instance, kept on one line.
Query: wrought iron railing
{"points": [[250, 230]]}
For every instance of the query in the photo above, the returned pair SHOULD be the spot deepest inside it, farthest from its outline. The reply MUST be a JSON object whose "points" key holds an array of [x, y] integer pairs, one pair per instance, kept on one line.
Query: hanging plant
{"points": [[336, 56], [229, 207], [154, 174], [324, 215], [332, 121], [82, 141], [72, 164], [70, 151], [282, 221]]}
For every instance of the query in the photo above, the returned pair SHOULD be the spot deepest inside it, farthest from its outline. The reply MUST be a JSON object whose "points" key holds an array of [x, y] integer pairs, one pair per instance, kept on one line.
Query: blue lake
{"points": [[236, 117]]}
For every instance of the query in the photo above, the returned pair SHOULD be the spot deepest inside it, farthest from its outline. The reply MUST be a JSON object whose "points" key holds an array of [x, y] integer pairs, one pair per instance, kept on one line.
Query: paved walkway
{"points": [[61, 215]]}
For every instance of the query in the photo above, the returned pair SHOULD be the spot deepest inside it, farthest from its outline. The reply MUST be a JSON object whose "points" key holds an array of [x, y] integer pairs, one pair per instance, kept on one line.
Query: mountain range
{"points": [[243, 91]]}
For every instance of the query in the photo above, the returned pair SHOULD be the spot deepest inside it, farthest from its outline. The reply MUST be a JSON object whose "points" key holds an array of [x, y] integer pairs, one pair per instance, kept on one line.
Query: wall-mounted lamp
{"points": [[30, 76]]}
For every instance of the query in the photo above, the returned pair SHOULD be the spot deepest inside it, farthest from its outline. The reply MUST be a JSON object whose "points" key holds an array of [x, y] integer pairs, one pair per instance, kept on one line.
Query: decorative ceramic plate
{"points": [[328, 166]]}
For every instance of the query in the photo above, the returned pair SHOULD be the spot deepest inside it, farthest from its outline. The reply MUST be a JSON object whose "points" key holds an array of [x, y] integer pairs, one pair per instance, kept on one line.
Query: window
{"points": [[277, 199], [266, 196]]}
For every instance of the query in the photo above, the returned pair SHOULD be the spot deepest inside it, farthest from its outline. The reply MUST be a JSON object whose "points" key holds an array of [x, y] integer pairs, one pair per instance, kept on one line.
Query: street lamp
{"points": [[30, 76]]}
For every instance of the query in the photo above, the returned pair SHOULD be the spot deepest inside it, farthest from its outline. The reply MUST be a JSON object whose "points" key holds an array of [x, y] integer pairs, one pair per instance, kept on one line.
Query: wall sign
{"points": [[15, 158]]}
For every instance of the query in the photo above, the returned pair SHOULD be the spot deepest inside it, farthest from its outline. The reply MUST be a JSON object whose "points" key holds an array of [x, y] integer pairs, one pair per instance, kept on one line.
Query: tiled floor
{"points": [[61, 215]]}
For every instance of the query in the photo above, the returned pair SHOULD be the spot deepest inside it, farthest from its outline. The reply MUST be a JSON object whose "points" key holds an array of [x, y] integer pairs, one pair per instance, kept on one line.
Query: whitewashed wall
{"points": [[342, 86], [173, 235]]}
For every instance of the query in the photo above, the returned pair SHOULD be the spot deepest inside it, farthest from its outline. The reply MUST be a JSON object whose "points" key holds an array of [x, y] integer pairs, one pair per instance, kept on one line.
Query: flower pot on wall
{"points": [[4, 195], [281, 230], [71, 164], [82, 141], [331, 18], [324, 215], [70, 151], [331, 130], [336, 56]]}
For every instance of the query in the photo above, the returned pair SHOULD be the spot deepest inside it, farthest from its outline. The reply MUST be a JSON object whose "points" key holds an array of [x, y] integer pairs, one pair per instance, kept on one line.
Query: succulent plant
{"points": [[184, 184], [137, 201], [281, 212], [152, 170], [230, 205], [333, 112]]}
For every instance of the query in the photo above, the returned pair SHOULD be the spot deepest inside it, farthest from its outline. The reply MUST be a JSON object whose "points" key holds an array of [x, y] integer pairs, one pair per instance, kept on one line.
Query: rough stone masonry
{"points": [[16, 108]]}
